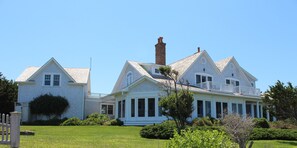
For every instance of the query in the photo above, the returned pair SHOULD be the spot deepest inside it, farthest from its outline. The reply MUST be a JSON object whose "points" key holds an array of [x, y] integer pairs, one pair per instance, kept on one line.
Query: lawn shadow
{"points": [[293, 143]]}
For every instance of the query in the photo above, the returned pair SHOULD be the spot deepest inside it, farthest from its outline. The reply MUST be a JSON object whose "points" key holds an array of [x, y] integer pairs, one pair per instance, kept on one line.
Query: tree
{"points": [[239, 128], [178, 102], [281, 101], [48, 105], [8, 94]]}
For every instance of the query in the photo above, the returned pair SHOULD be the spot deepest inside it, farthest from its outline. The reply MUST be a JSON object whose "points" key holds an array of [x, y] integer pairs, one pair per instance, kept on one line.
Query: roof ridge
{"points": [[184, 58]]}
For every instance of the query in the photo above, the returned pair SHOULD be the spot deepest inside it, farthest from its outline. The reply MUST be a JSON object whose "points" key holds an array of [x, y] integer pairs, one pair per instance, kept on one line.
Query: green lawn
{"points": [[105, 136]]}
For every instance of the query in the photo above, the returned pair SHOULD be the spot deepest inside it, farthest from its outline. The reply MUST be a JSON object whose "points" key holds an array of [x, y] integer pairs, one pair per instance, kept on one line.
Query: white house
{"points": [[71, 83], [218, 88]]}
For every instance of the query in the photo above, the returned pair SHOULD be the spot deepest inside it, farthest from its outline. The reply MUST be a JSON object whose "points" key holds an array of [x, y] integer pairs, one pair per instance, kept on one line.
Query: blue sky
{"points": [[260, 34]]}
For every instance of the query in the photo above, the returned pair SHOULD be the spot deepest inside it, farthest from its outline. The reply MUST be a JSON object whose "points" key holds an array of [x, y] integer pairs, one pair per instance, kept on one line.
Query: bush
{"points": [[116, 122], [158, 131], [72, 121], [261, 123], [283, 125], [54, 121], [95, 119], [188, 138], [48, 105], [205, 121], [273, 134]]}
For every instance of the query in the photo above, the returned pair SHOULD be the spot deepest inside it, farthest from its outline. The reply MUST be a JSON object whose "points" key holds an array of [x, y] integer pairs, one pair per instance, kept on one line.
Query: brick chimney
{"points": [[160, 52], [198, 49]]}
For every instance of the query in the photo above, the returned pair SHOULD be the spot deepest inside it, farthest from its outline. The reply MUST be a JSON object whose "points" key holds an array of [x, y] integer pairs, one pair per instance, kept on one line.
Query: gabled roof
{"points": [[77, 75], [223, 63]]}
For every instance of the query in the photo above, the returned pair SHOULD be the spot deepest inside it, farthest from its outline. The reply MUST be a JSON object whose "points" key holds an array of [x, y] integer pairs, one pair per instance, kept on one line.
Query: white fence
{"points": [[10, 129]]}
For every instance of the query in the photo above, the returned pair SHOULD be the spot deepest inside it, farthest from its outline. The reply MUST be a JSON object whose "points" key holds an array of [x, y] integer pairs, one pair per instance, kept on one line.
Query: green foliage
{"points": [[8, 94], [261, 123], [178, 102], [158, 131], [48, 105], [273, 134], [205, 121], [196, 139], [95, 119], [72, 122], [281, 101], [116, 122], [53, 121]]}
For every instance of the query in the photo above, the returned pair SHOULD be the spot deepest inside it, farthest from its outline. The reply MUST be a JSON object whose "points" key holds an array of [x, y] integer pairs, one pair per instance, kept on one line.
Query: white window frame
{"points": [[154, 71], [51, 79], [129, 78], [232, 79], [201, 75], [113, 106]]}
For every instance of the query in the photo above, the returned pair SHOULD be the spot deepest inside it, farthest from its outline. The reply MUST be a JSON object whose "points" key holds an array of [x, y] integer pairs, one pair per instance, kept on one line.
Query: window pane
{"points": [[103, 109], [227, 81], [208, 108], [219, 109], [240, 109], [159, 108], [234, 108], [141, 107], [151, 107], [56, 80], [198, 79], [47, 80], [203, 79], [110, 109], [209, 79], [124, 106], [237, 83], [248, 110], [255, 111], [225, 108], [119, 109], [132, 107], [200, 108]]}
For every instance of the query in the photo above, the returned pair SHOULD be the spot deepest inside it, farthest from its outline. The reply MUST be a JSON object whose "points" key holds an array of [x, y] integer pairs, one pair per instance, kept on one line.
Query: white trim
{"points": [[51, 79]]}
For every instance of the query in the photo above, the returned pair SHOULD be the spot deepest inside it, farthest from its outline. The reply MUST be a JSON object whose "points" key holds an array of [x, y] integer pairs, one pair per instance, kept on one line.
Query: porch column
{"points": [[146, 107], [194, 114], [204, 109], [261, 115], [244, 110], [128, 108], [116, 108], [229, 107], [213, 109], [258, 113], [156, 107], [252, 110], [267, 115], [136, 107]]}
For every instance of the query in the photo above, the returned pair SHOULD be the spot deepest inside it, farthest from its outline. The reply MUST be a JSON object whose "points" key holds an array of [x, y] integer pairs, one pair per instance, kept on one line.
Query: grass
{"points": [[86, 136], [106, 137]]}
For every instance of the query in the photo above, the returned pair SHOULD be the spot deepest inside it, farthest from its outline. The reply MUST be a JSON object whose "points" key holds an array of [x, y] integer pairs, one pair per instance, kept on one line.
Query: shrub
{"points": [[54, 121], [72, 121], [48, 105], [273, 134], [116, 122], [282, 125], [197, 138], [95, 119], [205, 121], [261, 123], [158, 131]]}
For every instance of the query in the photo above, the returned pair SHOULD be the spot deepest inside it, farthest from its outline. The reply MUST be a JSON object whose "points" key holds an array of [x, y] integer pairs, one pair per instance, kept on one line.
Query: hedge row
{"points": [[273, 134]]}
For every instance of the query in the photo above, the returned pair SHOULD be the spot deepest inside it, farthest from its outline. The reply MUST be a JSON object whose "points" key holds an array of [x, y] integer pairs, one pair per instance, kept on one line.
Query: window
{"points": [[132, 107], [47, 80], [56, 80], [151, 107], [141, 107], [208, 108], [202, 79], [225, 108], [119, 109], [107, 109], [234, 108], [233, 82], [129, 78], [218, 109], [124, 101], [240, 109], [157, 71], [200, 108]]}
